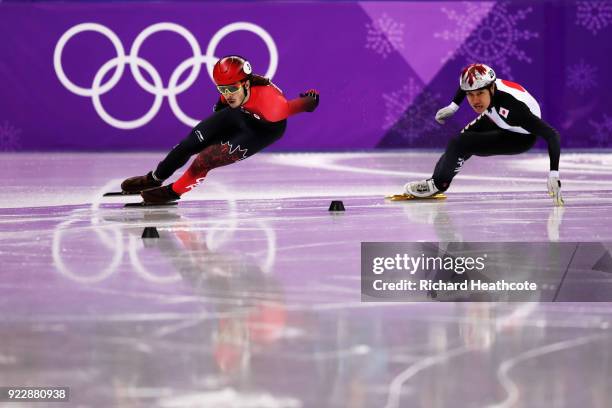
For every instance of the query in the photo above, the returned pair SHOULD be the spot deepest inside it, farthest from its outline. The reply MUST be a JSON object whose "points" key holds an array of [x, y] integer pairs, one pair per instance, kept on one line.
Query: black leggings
{"points": [[242, 133], [481, 138]]}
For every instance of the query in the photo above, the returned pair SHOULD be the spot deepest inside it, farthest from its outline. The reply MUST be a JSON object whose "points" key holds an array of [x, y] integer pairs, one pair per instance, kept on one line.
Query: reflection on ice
{"points": [[251, 295]]}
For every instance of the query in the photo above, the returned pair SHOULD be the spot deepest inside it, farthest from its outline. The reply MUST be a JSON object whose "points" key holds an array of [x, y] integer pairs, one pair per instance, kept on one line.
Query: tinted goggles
{"points": [[229, 89]]}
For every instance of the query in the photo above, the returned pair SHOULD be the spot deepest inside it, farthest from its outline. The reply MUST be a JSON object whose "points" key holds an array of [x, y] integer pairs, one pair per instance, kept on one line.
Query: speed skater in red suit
{"points": [[250, 115]]}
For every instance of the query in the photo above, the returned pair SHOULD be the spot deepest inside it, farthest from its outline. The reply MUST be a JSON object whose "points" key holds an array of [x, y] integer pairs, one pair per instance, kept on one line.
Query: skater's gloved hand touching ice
{"points": [[446, 112], [554, 188], [313, 96]]}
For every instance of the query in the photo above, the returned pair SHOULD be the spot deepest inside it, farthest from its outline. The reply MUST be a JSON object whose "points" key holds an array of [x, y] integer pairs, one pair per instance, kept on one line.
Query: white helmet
{"points": [[476, 76]]}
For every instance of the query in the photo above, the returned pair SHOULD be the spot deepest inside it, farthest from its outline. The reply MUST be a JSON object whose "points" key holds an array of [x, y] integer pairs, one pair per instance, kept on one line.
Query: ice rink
{"points": [[251, 295]]}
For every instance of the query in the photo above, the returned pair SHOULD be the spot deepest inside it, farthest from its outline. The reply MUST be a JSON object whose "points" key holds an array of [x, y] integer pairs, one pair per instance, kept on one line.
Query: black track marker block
{"points": [[336, 206], [150, 232]]}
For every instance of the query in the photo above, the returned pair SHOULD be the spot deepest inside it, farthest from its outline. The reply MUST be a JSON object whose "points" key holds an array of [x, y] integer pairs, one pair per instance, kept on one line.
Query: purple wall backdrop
{"points": [[383, 69]]}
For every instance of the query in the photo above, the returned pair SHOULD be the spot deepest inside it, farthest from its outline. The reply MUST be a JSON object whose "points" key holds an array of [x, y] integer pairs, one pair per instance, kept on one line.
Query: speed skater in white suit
{"points": [[509, 121]]}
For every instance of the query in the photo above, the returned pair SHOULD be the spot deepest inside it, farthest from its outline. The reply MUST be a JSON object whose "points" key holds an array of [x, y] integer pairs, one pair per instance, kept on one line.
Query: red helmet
{"points": [[231, 69]]}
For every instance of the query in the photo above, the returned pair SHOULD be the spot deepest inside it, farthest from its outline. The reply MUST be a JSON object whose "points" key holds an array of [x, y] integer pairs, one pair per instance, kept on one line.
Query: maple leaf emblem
{"points": [[470, 72]]}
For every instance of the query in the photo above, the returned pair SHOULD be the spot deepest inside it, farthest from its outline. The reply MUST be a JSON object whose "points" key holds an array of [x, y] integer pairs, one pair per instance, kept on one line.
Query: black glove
{"points": [[313, 96], [219, 105]]}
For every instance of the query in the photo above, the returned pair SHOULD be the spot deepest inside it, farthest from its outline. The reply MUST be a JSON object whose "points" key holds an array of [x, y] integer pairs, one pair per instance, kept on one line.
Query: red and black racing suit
{"points": [[230, 134]]}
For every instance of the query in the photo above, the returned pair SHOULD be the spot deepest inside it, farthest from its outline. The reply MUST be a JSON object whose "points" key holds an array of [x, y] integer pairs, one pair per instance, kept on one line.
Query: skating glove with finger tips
{"points": [[219, 106], [313, 96], [446, 112], [554, 188]]}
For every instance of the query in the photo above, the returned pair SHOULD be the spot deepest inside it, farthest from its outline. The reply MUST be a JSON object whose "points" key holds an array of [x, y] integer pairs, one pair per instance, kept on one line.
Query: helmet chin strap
{"points": [[489, 89], [245, 95]]}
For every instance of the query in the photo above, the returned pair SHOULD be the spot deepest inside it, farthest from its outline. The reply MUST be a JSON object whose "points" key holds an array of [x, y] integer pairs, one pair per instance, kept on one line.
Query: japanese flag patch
{"points": [[504, 112]]}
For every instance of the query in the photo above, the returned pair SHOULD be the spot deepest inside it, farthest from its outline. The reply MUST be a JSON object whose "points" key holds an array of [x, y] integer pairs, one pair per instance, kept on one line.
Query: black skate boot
{"points": [[140, 183], [159, 195]]}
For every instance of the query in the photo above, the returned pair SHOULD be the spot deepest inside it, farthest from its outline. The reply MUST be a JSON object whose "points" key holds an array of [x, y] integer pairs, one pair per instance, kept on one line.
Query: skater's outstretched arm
{"points": [[459, 96], [275, 107], [270, 103], [448, 111], [537, 126]]}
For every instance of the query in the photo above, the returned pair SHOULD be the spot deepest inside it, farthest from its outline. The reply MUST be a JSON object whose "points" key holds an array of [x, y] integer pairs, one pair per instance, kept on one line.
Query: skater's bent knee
{"points": [[455, 144]]}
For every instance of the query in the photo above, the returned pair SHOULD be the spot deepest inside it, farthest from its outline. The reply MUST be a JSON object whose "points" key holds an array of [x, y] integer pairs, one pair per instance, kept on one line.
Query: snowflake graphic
{"points": [[494, 41], [594, 15], [603, 130], [417, 120], [384, 35], [397, 101], [465, 24], [9, 137], [581, 77]]}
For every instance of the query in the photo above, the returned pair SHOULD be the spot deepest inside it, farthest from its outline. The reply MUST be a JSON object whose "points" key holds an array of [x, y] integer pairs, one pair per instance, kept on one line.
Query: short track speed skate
{"points": [[410, 197], [120, 193], [157, 197], [149, 205], [135, 185]]}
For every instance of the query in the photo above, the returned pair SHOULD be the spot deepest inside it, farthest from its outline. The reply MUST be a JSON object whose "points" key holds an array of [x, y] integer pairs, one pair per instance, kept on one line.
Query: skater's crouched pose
{"points": [[250, 115], [509, 121]]}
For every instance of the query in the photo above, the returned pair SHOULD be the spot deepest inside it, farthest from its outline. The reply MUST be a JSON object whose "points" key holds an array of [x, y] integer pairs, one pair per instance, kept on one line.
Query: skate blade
{"points": [[142, 204], [119, 193], [409, 197]]}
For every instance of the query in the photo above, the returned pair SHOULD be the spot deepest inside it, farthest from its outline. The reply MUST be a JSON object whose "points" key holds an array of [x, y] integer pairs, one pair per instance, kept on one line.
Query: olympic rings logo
{"points": [[122, 238], [137, 63]]}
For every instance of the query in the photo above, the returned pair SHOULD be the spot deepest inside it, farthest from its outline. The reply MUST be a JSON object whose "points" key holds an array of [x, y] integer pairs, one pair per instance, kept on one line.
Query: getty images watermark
{"points": [[423, 264], [481, 271]]}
